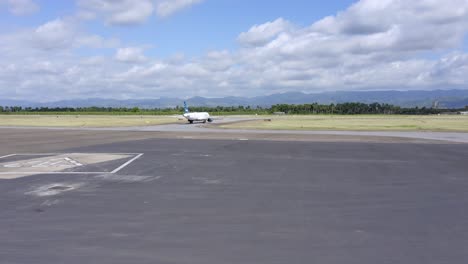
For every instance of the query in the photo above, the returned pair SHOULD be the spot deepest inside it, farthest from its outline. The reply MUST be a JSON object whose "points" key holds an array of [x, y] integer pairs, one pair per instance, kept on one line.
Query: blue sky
{"points": [[204, 27], [152, 48]]}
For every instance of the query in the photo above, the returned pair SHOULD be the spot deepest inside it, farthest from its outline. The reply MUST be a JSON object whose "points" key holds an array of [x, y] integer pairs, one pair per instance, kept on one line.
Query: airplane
{"points": [[196, 116]]}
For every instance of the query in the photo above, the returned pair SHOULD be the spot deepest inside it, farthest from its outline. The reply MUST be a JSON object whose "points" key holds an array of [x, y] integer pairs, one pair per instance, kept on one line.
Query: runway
{"points": [[213, 129], [229, 200]]}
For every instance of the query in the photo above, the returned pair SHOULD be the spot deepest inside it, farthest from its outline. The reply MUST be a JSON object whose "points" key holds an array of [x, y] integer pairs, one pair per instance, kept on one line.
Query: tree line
{"points": [[297, 109], [357, 108]]}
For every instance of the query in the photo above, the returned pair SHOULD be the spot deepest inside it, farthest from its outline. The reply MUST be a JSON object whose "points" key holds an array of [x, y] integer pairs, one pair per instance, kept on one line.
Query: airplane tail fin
{"points": [[185, 108]]}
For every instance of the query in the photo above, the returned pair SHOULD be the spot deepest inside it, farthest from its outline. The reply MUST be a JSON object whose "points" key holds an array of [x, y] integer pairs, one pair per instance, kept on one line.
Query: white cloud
{"points": [[129, 12], [165, 8], [95, 41], [62, 34], [389, 44], [21, 7], [260, 34], [118, 12], [54, 34], [130, 55], [417, 25], [51, 39]]}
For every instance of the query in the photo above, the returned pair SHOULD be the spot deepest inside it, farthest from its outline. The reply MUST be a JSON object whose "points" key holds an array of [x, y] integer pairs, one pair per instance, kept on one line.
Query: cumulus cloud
{"points": [[51, 39], [59, 34], [374, 44], [21, 7], [129, 12], [118, 12], [409, 26], [260, 34], [165, 8], [130, 55], [54, 34], [360, 47]]}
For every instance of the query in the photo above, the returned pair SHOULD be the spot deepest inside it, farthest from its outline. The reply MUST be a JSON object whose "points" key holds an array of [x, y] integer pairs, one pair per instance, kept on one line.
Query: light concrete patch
{"points": [[59, 163], [54, 189], [127, 178], [205, 180]]}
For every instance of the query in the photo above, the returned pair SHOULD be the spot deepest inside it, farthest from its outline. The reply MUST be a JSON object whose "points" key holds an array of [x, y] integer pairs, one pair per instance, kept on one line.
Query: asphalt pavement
{"points": [[236, 201]]}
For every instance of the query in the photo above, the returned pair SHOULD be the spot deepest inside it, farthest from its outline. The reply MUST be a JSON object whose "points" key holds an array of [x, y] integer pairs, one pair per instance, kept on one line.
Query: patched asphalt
{"points": [[239, 201]]}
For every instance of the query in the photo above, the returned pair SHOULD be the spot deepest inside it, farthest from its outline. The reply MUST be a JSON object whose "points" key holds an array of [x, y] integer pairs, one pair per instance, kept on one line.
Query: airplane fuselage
{"points": [[197, 116]]}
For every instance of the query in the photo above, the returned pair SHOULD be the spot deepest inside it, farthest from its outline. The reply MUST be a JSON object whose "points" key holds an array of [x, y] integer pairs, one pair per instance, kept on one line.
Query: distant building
{"points": [[464, 113], [279, 113]]}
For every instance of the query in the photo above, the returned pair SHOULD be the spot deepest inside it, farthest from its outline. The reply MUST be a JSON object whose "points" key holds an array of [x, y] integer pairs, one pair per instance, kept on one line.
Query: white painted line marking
{"points": [[60, 162], [76, 163], [12, 165], [51, 172], [6, 156], [38, 154], [45, 164], [68, 153], [126, 163]]}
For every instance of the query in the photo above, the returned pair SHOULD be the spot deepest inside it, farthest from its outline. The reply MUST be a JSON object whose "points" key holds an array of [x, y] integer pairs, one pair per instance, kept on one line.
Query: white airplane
{"points": [[196, 116]]}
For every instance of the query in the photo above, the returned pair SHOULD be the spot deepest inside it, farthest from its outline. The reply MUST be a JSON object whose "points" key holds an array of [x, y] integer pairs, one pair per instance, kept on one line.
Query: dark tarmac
{"points": [[203, 201]]}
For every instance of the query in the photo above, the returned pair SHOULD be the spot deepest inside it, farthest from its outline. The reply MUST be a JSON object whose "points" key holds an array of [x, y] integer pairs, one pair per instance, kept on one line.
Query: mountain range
{"points": [[420, 98]]}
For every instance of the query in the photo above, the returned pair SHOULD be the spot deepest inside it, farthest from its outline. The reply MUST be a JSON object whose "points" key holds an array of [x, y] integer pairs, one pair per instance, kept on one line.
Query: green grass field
{"points": [[358, 123], [298, 122], [84, 120]]}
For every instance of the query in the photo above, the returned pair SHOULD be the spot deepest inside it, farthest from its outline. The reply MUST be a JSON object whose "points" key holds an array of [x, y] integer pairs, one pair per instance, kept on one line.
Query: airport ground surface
{"points": [[211, 197], [218, 129]]}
